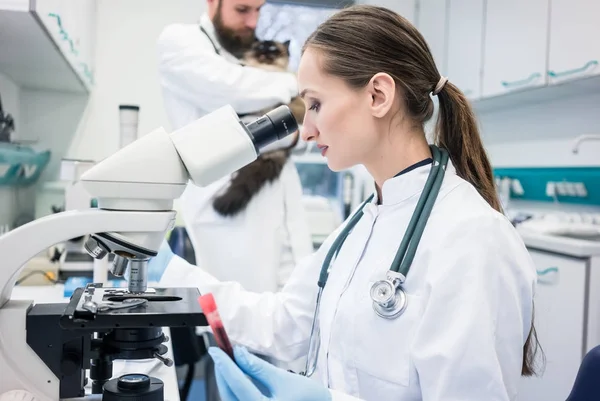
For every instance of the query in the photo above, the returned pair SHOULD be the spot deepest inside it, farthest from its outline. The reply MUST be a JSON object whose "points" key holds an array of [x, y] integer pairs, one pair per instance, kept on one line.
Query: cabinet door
{"points": [[72, 25], [81, 18], [559, 321], [465, 39], [516, 45], [431, 22], [574, 36]]}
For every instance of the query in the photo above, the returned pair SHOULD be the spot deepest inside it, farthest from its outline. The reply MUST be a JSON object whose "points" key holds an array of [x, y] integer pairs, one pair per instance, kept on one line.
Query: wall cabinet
{"points": [[515, 45], [490, 48], [465, 42], [574, 34], [431, 22], [48, 45], [72, 25], [560, 319]]}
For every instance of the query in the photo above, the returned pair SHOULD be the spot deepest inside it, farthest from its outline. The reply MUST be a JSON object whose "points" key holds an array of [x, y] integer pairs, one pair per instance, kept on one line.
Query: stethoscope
{"points": [[389, 298]]}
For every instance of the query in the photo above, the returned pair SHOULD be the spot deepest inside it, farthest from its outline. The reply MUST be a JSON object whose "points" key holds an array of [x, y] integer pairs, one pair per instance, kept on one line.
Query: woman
{"points": [[466, 332]]}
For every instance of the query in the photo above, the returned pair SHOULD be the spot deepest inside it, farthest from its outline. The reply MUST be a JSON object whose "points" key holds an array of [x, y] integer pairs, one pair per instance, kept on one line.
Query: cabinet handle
{"points": [[587, 65], [522, 82], [542, 275], [64, 34]]}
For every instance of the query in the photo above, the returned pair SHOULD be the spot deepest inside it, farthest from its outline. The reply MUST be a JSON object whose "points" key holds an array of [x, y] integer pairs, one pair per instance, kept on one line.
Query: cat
{"points": [[274, 56], [249, 180]]}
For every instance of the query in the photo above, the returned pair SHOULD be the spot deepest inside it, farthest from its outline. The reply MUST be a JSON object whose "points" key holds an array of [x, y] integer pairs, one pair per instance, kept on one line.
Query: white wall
{"points": [[126, 69], [542, 134], [9, 93]]}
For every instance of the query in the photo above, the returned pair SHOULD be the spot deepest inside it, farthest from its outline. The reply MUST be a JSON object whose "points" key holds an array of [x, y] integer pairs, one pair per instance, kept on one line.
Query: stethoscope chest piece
{"points": [[389, 298]]}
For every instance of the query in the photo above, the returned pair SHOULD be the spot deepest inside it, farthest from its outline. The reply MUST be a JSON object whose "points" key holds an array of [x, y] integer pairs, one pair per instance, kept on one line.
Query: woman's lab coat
{"points": [[470, 293], [260, 246]]}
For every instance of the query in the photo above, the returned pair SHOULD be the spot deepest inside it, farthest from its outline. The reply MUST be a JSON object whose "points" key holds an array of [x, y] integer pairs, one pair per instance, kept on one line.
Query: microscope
{"points": [[47, 349]]}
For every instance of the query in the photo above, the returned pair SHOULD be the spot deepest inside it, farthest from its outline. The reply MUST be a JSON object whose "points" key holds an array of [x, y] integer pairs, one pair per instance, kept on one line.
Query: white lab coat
{"points": [[195, 80], [260, 246], [470, 294]]}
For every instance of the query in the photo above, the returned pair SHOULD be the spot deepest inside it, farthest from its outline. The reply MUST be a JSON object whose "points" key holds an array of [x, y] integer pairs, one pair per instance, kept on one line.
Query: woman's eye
{"points": [[315, 106]]}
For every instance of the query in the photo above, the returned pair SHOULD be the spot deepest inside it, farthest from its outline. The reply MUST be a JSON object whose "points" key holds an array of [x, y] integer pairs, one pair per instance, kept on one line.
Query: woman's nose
{"points": [[308, 132]]}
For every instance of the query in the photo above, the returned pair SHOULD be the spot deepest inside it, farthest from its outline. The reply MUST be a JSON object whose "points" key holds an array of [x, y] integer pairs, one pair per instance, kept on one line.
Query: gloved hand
{"points": [[158, 264], [279, 385]]}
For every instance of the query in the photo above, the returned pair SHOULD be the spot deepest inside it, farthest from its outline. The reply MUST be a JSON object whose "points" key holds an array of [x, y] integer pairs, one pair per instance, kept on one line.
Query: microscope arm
{"points": [[22, 244]]}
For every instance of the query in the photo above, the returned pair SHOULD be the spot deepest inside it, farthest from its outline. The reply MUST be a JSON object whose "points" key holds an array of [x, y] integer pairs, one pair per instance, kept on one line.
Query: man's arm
{"points": [[190, 68]]}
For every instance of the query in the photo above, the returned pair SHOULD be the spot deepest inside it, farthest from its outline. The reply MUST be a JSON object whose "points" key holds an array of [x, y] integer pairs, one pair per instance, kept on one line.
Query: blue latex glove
{"points": [[158, 264], [278, 384]]}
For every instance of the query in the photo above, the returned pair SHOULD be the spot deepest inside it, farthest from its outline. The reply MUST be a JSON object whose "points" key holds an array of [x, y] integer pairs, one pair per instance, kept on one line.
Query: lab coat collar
{"points": [[402, 187]]}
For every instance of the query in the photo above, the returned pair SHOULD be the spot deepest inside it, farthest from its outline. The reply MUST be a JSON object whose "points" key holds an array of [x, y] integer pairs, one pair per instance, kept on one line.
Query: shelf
{"points": [[30, 56], [543, 94]]}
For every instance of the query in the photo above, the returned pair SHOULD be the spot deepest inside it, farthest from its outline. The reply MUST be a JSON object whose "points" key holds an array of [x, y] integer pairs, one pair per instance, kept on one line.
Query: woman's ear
{"points": [[382, 90]]}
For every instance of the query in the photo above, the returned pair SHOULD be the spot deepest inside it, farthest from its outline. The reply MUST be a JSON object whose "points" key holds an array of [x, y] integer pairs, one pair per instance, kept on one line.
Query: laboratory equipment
{"points": [[74, 261], [329, 197], [138, 387], [46, 349], [128, 119], [7, 125], [388, 296], [209, 306]]}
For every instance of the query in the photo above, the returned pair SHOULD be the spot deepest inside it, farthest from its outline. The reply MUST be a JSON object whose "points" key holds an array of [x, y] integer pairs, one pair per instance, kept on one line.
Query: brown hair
{"points": [[360, 41]]}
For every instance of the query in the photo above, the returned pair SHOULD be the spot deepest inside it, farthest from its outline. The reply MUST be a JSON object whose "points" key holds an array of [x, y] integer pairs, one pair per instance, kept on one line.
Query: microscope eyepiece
{"points": [[274, 125]]}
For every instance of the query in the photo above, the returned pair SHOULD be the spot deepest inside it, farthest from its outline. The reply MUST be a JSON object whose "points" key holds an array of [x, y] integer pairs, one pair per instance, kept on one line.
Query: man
{"points": [[259, 239], [200, 71]]}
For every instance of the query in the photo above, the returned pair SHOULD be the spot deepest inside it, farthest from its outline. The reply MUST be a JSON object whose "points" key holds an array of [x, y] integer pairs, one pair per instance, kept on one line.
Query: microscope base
{"points": [[21, 367]]}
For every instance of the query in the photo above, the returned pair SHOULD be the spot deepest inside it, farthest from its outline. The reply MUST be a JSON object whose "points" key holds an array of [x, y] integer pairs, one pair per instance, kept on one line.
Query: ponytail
{"points": [[458, 133]]}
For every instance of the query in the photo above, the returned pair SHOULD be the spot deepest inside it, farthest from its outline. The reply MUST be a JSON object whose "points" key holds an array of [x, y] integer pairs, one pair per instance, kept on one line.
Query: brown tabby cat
{"points": [[247, 182]]}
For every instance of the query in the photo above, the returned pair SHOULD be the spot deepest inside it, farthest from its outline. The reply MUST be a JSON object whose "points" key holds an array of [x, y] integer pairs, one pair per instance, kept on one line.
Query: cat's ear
{"points": [[287, 45]]}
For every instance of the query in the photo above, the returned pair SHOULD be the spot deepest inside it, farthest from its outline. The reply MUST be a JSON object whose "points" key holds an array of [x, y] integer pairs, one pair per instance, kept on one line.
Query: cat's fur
{"points": [[249, 180], [274, 56]]}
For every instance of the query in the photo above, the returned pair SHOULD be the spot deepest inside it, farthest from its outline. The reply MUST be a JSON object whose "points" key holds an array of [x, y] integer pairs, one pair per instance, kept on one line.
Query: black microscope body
{"points": [[100, 325]]}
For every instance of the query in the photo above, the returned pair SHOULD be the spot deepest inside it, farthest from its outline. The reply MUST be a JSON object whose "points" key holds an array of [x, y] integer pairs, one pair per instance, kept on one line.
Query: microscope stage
{"points": [[106, 308]]}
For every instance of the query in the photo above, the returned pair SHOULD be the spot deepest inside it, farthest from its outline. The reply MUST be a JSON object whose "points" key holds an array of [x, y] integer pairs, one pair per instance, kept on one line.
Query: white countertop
{"points": [[54, 293], [558, 244]]}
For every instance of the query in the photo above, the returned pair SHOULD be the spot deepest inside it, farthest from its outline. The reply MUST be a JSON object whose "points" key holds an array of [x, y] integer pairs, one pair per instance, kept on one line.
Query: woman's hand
{"points": [[276, 384]]}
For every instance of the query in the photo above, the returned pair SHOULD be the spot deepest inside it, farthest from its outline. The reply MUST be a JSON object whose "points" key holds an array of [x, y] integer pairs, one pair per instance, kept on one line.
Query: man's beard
{"points": [[234, 42]]}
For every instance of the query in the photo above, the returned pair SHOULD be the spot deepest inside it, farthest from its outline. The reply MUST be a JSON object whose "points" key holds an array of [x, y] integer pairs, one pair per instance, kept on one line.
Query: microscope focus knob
{"points": [[70, 363], [18, 395]]}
